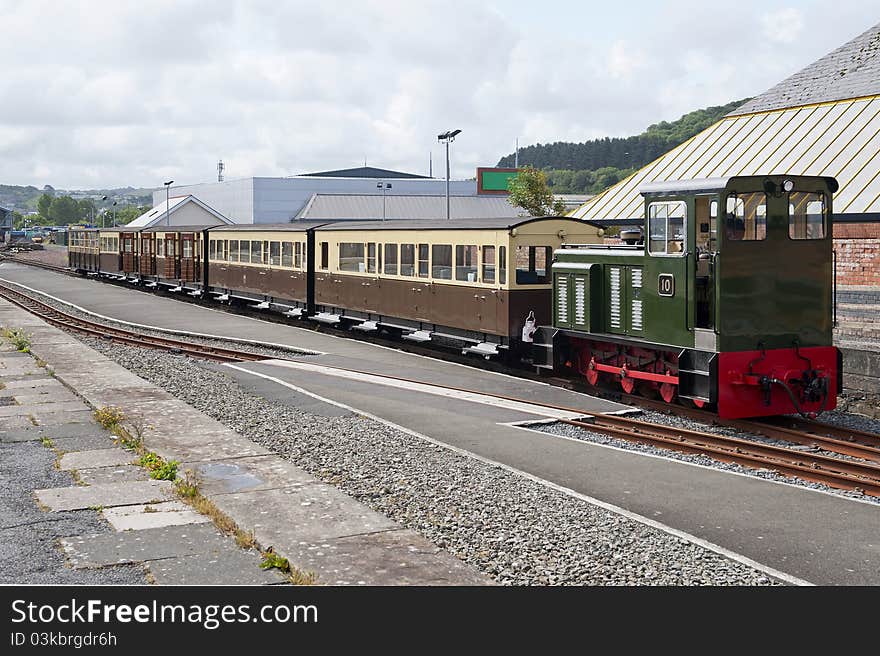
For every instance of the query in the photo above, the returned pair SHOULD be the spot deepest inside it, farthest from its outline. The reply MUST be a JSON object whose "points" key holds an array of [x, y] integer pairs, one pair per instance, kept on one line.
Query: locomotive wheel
{"points": [[628, 384], [667, 391]]}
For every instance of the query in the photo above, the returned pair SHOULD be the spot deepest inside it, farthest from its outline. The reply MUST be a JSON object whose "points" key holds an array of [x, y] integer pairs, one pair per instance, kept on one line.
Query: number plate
{"points": [[666, 284]]}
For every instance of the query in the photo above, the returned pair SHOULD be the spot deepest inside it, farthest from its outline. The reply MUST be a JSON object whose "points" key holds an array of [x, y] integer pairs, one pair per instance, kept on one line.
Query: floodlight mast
{"points": [[447, 138]]}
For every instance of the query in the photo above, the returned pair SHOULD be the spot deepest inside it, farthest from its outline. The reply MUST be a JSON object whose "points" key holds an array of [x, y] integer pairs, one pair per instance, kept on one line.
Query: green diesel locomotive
{"points": [[724, 298]]}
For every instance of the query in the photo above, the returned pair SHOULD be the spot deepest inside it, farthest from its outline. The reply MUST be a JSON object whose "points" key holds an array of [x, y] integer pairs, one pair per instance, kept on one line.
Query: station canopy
{"points": [[823, 120]]}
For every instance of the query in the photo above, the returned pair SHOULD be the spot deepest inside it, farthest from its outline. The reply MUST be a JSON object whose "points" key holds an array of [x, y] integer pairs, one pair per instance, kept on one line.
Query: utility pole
{"points": [[447, 138]]}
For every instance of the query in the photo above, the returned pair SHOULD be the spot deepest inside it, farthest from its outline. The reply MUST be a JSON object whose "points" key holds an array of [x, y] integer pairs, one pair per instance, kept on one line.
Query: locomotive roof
{"points": [[715, 184]]}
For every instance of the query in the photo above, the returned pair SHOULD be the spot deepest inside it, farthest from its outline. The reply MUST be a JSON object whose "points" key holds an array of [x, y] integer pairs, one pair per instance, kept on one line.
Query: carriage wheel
{"points": [[667, 391]]}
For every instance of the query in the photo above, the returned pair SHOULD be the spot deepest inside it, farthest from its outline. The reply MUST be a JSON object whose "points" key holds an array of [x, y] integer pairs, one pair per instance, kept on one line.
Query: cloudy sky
{"points": [[98, 94]]}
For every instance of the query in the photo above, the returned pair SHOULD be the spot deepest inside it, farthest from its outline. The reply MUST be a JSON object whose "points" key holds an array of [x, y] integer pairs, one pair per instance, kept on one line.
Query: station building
{"points": [[823, 120]]}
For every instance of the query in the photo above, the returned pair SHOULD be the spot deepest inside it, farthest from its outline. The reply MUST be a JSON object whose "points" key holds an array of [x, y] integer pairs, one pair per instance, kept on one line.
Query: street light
{"points": [[103, 198], [114, 213], [383, 186], [167, 212], [447, 138]]}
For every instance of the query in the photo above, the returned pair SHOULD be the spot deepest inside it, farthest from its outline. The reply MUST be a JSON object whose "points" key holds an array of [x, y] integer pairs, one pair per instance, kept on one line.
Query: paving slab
{"points": [[229, 567], [148, 544], [199, 449], [106, 475], [249, 474], [14, 411], [111, 457], [45, 418], [112, 494], [399, 557], [50, 395], [81, 442], [283, 518], [156, 515], [33, 383], [14, 425]]}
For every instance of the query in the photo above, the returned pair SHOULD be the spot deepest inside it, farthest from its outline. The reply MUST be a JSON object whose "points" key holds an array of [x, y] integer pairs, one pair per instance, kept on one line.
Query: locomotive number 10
{"points": [[666, 284]]}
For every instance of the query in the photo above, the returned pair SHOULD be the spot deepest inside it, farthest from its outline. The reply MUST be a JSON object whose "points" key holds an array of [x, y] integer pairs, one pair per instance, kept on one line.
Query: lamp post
{"points": [[114, 213], [383, 186], [447, 138], [167, 209], [104, 213]]}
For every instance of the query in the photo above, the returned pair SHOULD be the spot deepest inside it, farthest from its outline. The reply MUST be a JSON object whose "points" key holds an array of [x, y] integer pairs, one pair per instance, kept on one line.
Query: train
{"points": [[722, 298]]}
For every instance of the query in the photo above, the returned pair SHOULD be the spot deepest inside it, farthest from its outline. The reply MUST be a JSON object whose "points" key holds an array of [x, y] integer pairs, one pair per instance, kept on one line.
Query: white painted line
{"points": [[172, 331], [426, 388], [782, 576]]}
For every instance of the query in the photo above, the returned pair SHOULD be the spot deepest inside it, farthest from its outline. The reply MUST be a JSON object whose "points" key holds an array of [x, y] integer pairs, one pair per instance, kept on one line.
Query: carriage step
{"points": [[418, 336], [261, 306], [324, 317], [486, 349], [293, 312], [367, 326]]}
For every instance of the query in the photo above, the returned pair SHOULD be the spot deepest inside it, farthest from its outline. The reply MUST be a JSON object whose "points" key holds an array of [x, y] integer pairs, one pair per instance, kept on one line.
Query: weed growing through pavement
{"points": [[149, 509], [20, 339], [47, 442], [96, 508], [159, 468], [273, 560], [110, 417]]}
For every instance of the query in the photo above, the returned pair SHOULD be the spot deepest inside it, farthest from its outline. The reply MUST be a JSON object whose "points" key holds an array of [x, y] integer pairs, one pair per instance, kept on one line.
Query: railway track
{"points": [[68, 321], [829, 470]]}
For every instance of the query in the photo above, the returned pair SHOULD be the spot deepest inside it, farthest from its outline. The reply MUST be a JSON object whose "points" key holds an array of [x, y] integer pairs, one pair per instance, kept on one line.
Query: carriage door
{"points": [[129, 252], [172, 264], [187, 257], [147, 257]]}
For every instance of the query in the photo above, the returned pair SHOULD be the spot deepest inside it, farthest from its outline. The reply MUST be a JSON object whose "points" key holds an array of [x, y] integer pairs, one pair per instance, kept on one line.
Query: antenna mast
{"points": [[220, 168]]}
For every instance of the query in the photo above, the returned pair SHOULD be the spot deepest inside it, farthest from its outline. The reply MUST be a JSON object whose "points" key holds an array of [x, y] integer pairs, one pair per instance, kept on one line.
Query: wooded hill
{"points": [[594, 165]]}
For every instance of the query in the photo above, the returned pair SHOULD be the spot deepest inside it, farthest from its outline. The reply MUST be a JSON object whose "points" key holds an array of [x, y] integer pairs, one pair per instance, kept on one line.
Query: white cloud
{"points": [[784, 25]]}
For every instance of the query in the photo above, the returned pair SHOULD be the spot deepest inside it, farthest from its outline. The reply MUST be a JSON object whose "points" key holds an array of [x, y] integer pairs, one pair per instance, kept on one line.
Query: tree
{"points": [[43, 204], [64, 210], [529, 190], [85, 210]]}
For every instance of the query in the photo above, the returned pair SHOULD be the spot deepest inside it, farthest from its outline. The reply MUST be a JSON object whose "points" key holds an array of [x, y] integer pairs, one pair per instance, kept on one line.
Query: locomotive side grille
{"points": [[614, 276], [562, 299], [636, 278], [580, 298]]}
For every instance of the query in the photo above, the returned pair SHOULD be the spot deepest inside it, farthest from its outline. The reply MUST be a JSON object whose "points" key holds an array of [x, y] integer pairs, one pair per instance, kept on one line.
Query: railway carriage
{"points": [[173, 256], [83, 249], [472, 282], [727, 300]]}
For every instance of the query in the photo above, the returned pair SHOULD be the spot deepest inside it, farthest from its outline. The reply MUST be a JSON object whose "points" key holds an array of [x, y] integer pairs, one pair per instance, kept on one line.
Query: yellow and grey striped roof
{"points": [[838, 138]]}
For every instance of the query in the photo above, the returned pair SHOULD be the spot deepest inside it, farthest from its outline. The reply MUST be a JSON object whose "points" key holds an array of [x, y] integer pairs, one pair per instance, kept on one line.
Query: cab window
{"points": [[746, 217], [806, 215], [666, 228]]}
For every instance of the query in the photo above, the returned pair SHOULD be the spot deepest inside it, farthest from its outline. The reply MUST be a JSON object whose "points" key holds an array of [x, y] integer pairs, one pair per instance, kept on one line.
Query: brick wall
{"points": [[857, 246]]}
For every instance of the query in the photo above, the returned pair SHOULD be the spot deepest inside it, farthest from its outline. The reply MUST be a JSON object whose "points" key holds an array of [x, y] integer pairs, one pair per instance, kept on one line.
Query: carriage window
{"points": [[666, 228], [264, 253], [441, 261], [407, 259], [187, 248], [488, 264], [502, 265], [233, 250], [160, 247], [256, 252], [423, 260], [212, 249], [806, 215], [128, 245], [532, 265], [287, 253], [390, 259], [746, 217], [351, 257], [295, 249], [275, 253], [466, 263], [371, 258], [325, 255]]}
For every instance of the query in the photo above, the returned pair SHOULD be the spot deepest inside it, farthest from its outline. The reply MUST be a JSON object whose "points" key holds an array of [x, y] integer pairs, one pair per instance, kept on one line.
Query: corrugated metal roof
{"points": [[323, 207], [851, 71], [840, 139]]}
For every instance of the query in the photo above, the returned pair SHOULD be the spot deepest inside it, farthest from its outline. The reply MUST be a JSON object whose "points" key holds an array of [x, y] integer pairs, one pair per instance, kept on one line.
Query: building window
{"points": [[390, 260], [746, 218], [666, 228], [466, 263], [488, 264], [351, 257], [806, 215]]}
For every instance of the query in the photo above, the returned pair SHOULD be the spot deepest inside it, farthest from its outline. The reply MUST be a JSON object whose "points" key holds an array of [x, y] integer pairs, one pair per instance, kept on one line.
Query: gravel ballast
{"points": [[516, 530]]}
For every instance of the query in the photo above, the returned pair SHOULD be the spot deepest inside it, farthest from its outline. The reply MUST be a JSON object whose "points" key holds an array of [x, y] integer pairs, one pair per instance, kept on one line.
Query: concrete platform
{"points": [[282, 505], [157, 515]]}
